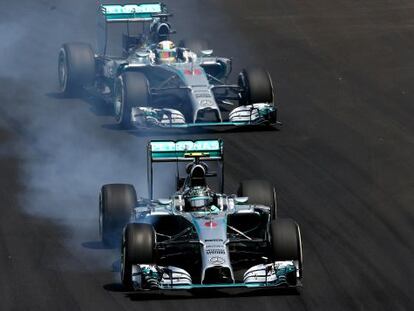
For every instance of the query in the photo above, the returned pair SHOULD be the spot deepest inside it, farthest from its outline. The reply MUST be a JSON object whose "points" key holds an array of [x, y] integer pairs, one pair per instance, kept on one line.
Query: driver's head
{"points": [[198, 198], [166, 52]]}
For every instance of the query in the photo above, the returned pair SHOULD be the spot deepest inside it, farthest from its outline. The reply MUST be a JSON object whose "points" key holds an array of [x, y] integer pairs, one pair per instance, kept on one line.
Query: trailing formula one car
{"points": [[199, 237], [156, 83]]}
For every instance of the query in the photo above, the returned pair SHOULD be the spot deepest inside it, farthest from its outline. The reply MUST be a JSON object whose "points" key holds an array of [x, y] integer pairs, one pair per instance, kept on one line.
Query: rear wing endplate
{"points": [[183, 151], [132, 12]]}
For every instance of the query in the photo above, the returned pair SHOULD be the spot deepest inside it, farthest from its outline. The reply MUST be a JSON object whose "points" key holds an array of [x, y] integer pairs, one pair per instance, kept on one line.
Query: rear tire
{"points": [[286, 241], [131, 90], [137, 248], [76, 68], [260, 192], [116, 203], [257, 85]]}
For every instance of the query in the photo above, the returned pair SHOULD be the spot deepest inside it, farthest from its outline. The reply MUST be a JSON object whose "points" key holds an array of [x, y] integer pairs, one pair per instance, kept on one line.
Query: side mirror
{"points": [[241, 200], [207, 52], [164, 201]]}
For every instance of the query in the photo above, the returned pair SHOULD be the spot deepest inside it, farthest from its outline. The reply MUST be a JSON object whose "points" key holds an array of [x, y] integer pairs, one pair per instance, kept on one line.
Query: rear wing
{"points": [[184, 151], [133, 12]]}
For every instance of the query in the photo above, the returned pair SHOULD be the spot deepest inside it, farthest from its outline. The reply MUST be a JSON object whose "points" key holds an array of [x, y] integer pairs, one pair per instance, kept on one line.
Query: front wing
{"points": [[280, 274], [250, 115]]}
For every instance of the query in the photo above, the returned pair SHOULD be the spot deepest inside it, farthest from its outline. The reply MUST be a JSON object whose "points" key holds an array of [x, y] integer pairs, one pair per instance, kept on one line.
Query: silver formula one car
{"points": [[155, 83], [199, 237]]}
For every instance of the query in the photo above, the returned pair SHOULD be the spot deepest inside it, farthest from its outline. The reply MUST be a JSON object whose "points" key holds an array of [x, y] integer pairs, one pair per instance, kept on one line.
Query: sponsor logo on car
{"points": [[214, 240], [215, 251], [210, 224], [217, 260]]}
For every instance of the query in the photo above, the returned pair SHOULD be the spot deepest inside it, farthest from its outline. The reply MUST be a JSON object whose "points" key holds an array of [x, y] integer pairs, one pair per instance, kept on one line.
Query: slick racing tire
{"points": [[138, 244], [260, 192], [116, 203], [286, 241], [131, 90], [195, 45], [76, 68], [257, 86]]}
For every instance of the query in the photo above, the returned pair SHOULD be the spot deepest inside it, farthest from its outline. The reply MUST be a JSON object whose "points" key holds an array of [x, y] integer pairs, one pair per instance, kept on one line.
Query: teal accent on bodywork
{"points": [[279, 282], [214, 209], [227, 285], [186, 145], [212, 124], [264, 119], [149, 272], [114, 12], [186, 148], [199, 198], [114, 17], [266, 111], [281, 272], [201, 124], [174, 155]]}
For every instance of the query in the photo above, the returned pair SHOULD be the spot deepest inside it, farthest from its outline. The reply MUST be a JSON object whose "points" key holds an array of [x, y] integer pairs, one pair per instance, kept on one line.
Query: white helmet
{"points": [[166, 52], [198, 199]]}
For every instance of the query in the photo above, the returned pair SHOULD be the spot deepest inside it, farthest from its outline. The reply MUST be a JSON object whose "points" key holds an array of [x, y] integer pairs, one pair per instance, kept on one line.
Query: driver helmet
{"points": [[166, 52], [198, 198]]}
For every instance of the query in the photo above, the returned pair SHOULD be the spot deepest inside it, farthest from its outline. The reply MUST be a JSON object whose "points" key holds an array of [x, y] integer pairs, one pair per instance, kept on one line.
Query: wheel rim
{"points": [[300, 246], [123, 264], [119, 99], [244, 94], [62, 71], [124, 278]]}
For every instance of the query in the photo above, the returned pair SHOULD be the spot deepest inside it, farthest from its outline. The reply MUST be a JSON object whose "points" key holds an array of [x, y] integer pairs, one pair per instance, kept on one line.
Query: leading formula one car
{"points": [[199, 237], [156, 83]]}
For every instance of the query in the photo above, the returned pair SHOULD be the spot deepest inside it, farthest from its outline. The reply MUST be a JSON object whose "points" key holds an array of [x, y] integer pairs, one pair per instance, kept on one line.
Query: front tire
{"points": [[76, 68], [260, 192], [137, 248], [286, 241], [116, 203], [131, 90], [257, 86]]}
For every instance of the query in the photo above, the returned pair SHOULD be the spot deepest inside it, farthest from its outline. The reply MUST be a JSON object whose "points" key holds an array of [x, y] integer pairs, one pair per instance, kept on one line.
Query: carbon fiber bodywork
{"points": [[227, 246], [224, 242], [185, 93], [189, 92]]}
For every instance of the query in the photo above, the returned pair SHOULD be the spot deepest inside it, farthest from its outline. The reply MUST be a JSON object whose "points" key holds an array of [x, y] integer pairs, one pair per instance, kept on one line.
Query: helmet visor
{"points": [[167, 55], [199, 202]]}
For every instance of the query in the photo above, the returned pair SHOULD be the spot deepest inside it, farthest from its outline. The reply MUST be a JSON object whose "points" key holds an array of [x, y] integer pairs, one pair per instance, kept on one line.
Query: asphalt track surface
{"points": [[343, 163]]}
